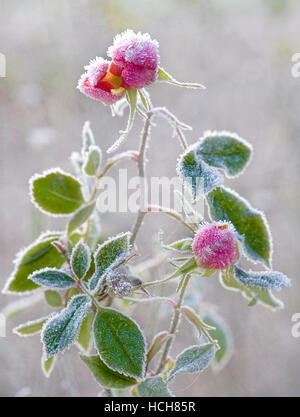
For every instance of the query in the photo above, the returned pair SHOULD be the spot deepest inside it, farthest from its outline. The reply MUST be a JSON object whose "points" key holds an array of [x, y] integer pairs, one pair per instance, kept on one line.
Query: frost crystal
{"points": [[118, 281], [264, 279]]}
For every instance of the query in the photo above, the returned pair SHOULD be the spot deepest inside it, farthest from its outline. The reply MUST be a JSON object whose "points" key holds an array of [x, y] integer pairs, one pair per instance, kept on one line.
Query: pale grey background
{"points": [[241, 50]]}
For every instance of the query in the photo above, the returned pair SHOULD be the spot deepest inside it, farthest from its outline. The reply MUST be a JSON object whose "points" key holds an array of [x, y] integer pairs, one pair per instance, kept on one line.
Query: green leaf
{"points": [[187, 267], [224, 150], [61, 331], [153, 386], [105, 376], [48, 365], [56, 192], [85, 335], [263, 279], [52, 278], [87, 137], [31, 327], [194, 319], [262, 295], [223, 335], [107, 256], [193, 359], [119, 342], [156, 345], [93, 161], [251, 224], [199, 177], [131, 96], [144, 98], [162, 75], [39, 255], [80, 216], [53, 298], [81, 259], [183, 245]]}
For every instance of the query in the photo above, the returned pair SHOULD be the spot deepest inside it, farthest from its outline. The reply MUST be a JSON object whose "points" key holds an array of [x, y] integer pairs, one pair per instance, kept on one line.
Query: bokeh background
{"points": [[241, 51]]}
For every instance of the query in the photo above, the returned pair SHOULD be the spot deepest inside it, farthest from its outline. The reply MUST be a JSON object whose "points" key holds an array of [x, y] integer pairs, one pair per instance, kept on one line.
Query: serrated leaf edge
{"points": [[28, 323], [145, 346], [213, 133], [46, 269], [17, 261], [53, 316], [99, 247], [265, 221], [44, 174], [81, 242]]}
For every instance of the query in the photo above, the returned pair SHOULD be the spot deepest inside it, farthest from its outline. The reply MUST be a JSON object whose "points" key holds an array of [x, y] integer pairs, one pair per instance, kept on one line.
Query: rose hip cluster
{"points": [[134, 64], [215, 246]]}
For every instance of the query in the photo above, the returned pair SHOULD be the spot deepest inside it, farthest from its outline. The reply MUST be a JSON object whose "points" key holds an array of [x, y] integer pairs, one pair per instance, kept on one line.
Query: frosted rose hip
{"points": [[215, 246], [135, 58], [98, 83]]}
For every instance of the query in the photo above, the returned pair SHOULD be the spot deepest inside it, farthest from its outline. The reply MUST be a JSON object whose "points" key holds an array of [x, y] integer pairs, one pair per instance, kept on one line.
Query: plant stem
{"points": [[174, 325], [141, 173]]}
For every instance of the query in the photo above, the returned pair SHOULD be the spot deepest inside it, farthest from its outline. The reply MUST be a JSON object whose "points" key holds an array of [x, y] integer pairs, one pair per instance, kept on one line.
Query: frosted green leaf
{"points": [[120, 342], [223, 335], [264, 279], [187, 267], [87, 137], [30, 328], [61, 330], [52, 278], [165, 77], [80, 216], [183, 245], [251, 224], [53, 298], [193, 359], [224, 150], [39, 255], [92, 161], [131, 97], [48, 365], [105, 376], [262, 295], [199, 177], [56, 192], [157, 343], [154, 386], [194, 319], [107, 256], [81, 259], [85, 335]]}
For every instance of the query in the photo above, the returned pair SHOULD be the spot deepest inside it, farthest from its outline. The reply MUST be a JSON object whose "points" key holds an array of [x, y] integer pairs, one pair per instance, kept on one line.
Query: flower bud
{"points": [[100, 84], [118, 281], [134, 58], [215, 246]]}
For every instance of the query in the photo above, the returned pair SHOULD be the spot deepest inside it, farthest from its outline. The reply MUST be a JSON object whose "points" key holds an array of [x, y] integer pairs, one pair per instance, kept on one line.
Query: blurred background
{"points": [[242, 52]]}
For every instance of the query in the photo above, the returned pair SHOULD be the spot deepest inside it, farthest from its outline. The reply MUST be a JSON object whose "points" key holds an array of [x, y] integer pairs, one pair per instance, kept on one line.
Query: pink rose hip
{"points": [[215, 246]]}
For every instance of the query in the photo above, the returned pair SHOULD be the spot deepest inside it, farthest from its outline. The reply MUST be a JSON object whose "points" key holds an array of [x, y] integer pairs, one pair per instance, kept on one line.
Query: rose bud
{"points": [[215, 246], [134, 58], [100, 84]]}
